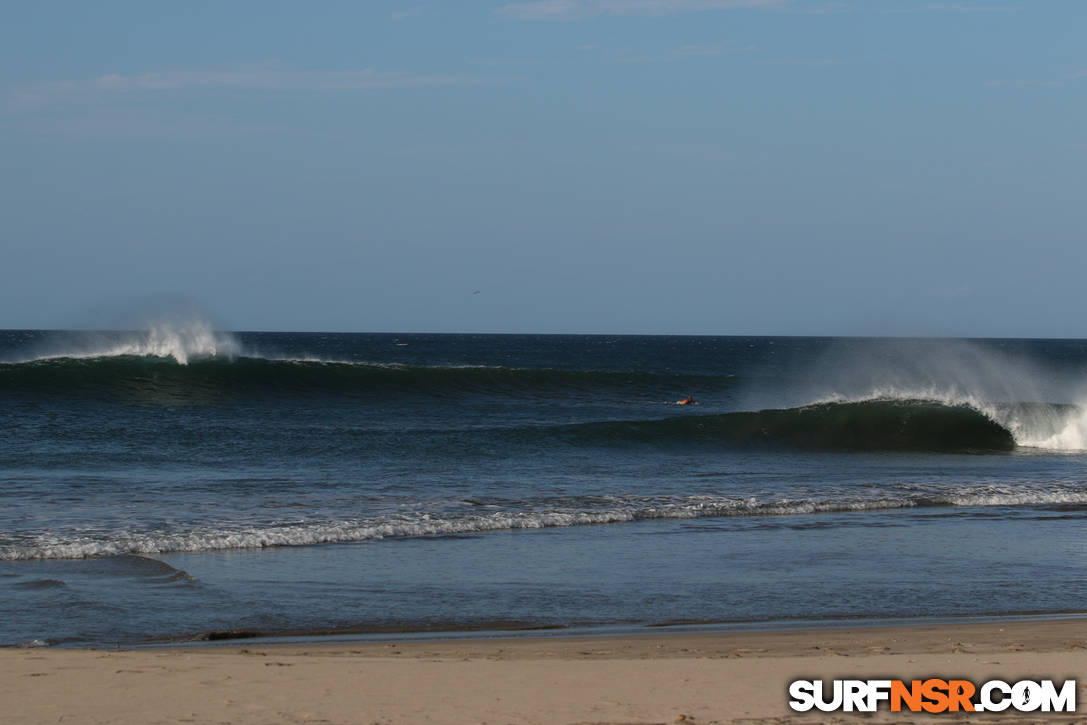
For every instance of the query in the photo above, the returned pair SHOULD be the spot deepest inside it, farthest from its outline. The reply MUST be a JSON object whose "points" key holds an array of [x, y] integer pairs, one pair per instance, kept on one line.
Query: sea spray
{"points": [[1041, 406], [469, 479], [182, 340]]}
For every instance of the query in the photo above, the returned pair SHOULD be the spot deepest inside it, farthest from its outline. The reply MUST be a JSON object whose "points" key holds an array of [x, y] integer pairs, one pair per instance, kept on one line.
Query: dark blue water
{"points": [[166, 484]]}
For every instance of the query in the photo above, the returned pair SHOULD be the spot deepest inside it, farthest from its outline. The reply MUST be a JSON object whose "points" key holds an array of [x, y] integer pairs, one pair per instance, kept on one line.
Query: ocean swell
{"points": [[870, 425], [223, 370]]}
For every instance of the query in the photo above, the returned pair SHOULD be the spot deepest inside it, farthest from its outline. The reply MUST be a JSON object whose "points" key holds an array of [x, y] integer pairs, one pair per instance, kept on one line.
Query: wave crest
{"points": [[605, 510], [1050, 426], [146, 368], [867, 425], [182, 342]]}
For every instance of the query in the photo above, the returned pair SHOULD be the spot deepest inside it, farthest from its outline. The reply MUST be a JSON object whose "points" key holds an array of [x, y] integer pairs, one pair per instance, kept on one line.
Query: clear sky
{"points": [[612, 166]]}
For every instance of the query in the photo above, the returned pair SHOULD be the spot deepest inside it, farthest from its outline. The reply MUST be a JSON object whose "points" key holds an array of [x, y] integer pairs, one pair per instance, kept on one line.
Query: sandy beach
{"points": [[658, 678]]}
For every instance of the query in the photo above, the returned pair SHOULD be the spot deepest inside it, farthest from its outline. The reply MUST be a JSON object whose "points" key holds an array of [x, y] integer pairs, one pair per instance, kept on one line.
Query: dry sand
{"points": [[665, 678]]}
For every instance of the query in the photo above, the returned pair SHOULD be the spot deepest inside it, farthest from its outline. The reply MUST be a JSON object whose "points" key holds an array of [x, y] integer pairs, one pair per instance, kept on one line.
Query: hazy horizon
{"points": [[145, 328]]}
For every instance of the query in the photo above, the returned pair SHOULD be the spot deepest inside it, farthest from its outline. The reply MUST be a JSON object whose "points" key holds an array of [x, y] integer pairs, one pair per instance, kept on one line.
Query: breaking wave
{"points": [[928, 423], [870, 425], [192, 362], [182, 343], [602, 510], [1051, 426]]}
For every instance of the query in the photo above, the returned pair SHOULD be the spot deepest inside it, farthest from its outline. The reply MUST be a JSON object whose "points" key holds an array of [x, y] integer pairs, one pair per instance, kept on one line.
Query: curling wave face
{"points": [[198, 365], [810, 475], [871, 425], [1050, 426]]}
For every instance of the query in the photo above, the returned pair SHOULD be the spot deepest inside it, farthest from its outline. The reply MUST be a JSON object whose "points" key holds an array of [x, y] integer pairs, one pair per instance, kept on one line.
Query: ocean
{"points": [[180, 484]]}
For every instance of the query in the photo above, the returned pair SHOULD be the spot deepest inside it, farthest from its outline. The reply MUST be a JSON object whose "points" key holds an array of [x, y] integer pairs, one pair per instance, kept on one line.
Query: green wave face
{"points": [[866, 425], [133, 377], [897, 425]]}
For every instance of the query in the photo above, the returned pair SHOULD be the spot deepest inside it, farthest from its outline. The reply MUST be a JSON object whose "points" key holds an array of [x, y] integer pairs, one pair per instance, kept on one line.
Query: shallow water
{"points": [[175, 482]]}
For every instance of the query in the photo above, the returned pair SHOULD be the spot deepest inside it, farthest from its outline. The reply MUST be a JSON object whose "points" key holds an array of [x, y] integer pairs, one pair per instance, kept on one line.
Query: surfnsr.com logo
{"points": [[933, 695]]}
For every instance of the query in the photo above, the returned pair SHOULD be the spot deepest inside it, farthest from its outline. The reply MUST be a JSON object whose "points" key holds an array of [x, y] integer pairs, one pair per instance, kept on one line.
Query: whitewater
{"points": [[347, 467], [1004, 390]]}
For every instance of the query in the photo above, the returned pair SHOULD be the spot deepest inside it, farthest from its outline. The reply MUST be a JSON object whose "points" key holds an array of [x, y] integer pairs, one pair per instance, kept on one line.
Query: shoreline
{"points": [[658, 677], [518, 630]]}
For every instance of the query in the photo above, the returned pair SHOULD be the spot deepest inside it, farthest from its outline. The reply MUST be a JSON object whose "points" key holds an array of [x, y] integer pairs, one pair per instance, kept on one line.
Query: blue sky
{"points": [[612, 166]]}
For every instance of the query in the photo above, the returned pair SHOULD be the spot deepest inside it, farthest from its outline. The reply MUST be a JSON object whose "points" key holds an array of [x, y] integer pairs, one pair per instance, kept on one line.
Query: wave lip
{"points": [[1048, 426], [192, 340], [867, 425]]}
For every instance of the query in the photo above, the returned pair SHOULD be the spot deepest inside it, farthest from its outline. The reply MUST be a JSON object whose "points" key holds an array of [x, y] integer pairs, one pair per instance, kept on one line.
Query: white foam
{"points": [[1031, 425], [692, 507], [1069, 432], [181, 341], [1041, 406], [1007, 497]]}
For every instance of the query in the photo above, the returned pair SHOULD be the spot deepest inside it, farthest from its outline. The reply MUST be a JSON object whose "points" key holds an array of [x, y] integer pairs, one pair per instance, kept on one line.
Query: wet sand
{"points": [[656, 678]]}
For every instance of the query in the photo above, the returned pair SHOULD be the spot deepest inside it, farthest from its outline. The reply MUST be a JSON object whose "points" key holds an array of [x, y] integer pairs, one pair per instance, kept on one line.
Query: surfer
{"points": [[687, 401]]}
